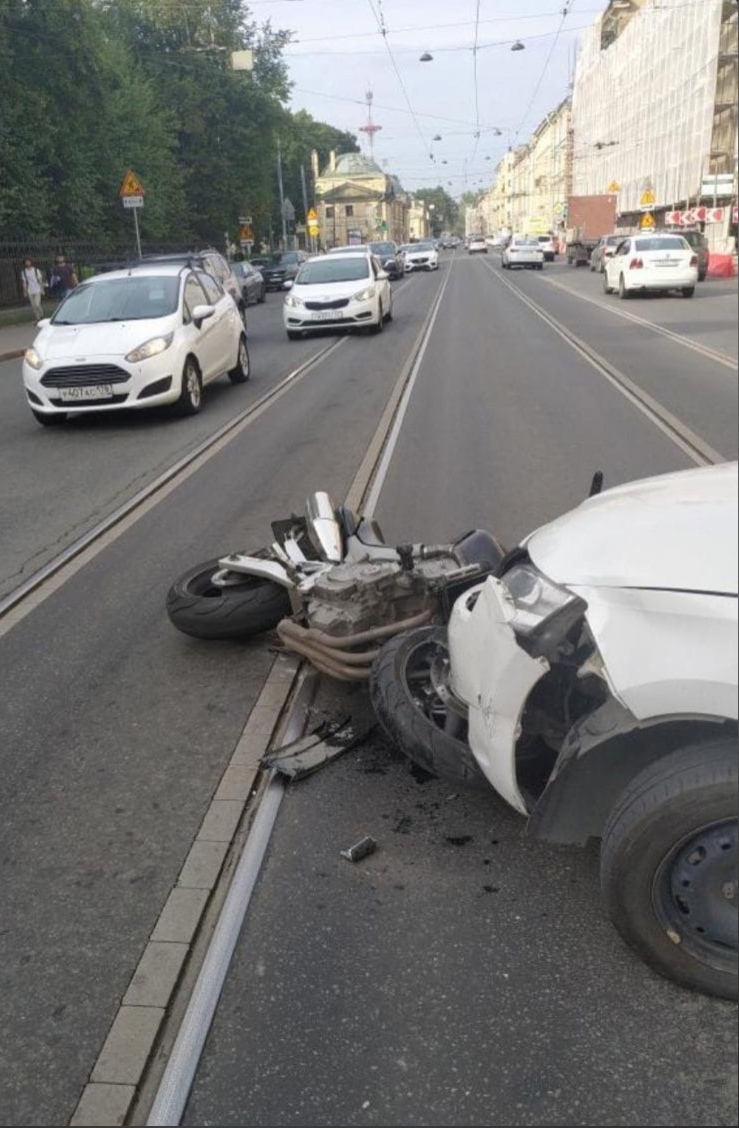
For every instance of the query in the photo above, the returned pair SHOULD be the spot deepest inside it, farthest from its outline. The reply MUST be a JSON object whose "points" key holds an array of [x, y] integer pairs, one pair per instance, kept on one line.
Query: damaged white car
{"points": [[592, 681]]}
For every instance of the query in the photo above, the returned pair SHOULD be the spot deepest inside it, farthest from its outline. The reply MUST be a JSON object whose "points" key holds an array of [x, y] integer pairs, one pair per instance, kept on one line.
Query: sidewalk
{"points": [[15, 339]]}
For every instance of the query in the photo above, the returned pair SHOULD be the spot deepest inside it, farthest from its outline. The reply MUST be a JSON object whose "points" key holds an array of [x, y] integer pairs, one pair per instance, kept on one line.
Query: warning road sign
{"points": [[614, 186], [131, 185], [312, 217], [647, 222], [647, 199]]}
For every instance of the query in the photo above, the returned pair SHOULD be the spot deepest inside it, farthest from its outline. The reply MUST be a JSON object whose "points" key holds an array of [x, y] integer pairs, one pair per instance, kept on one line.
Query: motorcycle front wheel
{"points": [[198, 607], [408, 691]]}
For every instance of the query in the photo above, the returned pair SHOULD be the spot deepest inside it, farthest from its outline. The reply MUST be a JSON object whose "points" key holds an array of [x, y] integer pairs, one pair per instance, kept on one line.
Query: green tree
{"points": [[445, 212]]}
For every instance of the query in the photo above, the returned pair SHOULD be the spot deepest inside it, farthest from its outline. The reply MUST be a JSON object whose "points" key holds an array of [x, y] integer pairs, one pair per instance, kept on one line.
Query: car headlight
{"points": [[544, 612], [32, 357], [152, 347], [293, 302], [364, 295]]}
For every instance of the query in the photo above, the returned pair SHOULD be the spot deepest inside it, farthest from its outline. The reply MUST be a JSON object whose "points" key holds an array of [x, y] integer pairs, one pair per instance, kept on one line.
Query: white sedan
{"points": [[340, 291], [651, 262], [420, 256], [138, 338], [523, 250]]}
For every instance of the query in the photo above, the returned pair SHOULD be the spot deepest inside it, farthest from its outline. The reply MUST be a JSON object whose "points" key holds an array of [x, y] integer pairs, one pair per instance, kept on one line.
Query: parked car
{"points": [[605, 249], [547, 244], [644, 263], [344, 291], [523, 251], [135, 339], [389, 255], [420, 256], [208, 260], [477, 245], [282, 267], [253, 285], [699, 243]]}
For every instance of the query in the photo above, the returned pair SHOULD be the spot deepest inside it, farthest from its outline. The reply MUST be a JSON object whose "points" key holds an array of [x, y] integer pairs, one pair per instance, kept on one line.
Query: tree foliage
{"points": [[89, 88], [445, 214]]}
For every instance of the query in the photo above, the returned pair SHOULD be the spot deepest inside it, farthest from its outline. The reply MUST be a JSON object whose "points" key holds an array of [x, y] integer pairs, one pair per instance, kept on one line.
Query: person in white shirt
{"points": [[32, 282]]}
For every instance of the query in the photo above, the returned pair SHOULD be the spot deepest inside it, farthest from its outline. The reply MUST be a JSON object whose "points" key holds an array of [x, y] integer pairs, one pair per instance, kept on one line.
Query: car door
{"points": [[615, 265], [226, 324], [204, 338], [383, 285]]}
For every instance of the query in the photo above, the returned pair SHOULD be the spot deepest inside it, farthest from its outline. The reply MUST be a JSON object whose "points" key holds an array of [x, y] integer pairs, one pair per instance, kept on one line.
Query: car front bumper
{"points": [[421, 264], [110, 384], [301, 319]]}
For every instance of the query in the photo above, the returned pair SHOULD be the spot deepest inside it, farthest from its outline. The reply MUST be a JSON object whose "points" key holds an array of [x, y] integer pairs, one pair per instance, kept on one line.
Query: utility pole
{"points": [[282, 196], [309, 238]]}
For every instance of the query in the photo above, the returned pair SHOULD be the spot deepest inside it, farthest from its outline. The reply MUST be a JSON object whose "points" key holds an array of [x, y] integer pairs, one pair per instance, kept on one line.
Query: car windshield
{"points": [[545, 239], [120, 299], [286, 258], [336, 269], [613, 240], [383, 248], [241, 267], [423, 247], [661, 244]]}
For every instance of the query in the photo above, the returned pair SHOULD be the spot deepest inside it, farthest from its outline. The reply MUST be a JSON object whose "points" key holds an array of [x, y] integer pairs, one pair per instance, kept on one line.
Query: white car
{"points": [[591, 680], [341, 291], [523, 251], [135, 338], [651, 262], [547, 244], [420, 256], [477, 245]]}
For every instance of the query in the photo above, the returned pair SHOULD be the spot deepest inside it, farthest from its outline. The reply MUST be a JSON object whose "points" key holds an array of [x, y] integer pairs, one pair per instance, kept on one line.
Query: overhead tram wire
{"points": [[380, 19], [477, 85], [565, 13]]}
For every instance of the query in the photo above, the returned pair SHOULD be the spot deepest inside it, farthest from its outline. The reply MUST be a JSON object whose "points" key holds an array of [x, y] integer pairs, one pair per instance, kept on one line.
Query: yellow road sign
{"points": [[648, 198], [314, 230], [312, 217], [131, 185], [647, 222], [614, 186]]}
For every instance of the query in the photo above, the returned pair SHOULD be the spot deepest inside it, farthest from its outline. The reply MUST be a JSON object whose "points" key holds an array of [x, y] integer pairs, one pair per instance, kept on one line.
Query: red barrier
{"points": [[722, 266]]}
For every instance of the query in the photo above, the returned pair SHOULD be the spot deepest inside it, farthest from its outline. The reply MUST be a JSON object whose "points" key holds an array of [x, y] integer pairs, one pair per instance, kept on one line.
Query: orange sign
{"points": [[131, 185]]}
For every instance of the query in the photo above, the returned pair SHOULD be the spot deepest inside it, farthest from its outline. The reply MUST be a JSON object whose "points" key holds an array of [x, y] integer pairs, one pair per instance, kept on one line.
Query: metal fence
{"points": [[85, 257]]}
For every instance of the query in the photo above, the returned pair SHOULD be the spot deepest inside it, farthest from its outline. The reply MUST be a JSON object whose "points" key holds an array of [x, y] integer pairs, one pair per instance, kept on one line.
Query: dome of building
{"points": [[354, 164]]}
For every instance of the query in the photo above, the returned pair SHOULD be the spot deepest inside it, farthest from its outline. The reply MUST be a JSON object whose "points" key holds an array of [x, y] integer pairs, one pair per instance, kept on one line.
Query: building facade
{"points": [[357, 201], [654, 104]]}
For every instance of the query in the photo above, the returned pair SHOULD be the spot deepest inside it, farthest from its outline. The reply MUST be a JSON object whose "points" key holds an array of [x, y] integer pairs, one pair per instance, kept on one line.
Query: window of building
{"points": [[330, 213], [349, 210]]}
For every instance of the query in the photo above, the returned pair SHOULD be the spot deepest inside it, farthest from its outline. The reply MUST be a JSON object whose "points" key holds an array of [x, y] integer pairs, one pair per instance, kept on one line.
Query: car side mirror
{"points": [[383, 275], [42, 324], [201, 313], [288, 285]]}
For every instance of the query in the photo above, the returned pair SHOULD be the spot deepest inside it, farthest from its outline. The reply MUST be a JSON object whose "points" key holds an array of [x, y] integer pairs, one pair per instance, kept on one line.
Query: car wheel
{"points": [[49, 420], [592, 268], [191, 393], [688, 291], [623, 293], [606, 288], [702, 276], [404, 692], [241, 371], [262, 296], [379, 325], [389, 315], [294, 335], [540, 266], [669, 866]]}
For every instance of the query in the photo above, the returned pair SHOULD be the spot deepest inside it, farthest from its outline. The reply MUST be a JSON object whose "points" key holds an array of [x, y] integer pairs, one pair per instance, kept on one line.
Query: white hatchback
{"points": [[651, 262], [135, 338], [420, 256], [339, 291], [523, 250]]}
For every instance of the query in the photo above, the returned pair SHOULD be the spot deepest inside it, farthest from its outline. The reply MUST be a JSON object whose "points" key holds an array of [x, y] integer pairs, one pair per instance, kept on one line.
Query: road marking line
{"points": [[687, 342], [692, 445]]}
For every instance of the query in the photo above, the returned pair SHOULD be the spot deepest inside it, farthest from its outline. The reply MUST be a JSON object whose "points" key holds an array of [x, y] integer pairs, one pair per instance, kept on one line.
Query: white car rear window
{"points": [[664, 244]]}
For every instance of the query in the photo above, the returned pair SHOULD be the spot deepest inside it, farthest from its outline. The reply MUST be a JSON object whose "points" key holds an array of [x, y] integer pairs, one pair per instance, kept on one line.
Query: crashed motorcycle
{"points": [[591, 680], [330, 586]]}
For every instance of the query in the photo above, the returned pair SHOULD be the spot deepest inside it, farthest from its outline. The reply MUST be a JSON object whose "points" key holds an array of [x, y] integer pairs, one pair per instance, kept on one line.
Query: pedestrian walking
{"points": [[32, 281], [62, 278]]}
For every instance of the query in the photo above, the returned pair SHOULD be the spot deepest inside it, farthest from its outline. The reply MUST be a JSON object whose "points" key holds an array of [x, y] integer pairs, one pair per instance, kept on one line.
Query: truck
{"points": [[588, 218]]}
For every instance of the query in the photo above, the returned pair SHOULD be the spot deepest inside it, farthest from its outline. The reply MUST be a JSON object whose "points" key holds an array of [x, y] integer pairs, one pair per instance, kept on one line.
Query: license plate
{"points": [[328, 315], [666, 262], [91, 392]]}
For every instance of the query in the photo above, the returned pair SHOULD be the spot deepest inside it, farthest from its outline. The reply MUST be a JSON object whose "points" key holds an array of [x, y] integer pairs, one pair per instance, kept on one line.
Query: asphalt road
{"points": [[440, 983]]}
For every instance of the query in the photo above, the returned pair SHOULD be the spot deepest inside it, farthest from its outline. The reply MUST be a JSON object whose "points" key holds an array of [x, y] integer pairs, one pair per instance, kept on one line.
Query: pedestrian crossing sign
{"points": [[647, 222], [648, 198], [131, 185]]}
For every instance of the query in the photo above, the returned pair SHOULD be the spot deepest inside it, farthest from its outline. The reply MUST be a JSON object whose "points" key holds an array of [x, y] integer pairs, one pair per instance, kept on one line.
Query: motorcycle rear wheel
{"points": [[405, 697], [197, 607]]}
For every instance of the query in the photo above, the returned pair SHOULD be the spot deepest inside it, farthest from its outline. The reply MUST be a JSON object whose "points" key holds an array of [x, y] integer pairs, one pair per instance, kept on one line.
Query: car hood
{"points": [[674, 532], [108, 338], [330, 291]]}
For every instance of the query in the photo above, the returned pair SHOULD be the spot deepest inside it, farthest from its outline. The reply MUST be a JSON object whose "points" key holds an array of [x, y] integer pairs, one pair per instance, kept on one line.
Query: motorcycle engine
{"points": [[356, 597]]}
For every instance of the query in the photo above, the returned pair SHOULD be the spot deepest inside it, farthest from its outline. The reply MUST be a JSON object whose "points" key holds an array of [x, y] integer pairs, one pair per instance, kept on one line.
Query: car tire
{"points": [[294, 335], [688, 291], [540, 266], [379, 325], [262, 296], [406, 712], [592, 268], [606, 288], [191, 392], [389, 315], [241, 371], [668, 866], [49, 420], [623, 293], [702, 276], [198, 608]]}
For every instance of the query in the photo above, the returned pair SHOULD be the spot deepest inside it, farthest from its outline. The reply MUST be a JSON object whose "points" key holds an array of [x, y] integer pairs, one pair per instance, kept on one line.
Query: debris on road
{"points": [[329, 740], [359, 850]]}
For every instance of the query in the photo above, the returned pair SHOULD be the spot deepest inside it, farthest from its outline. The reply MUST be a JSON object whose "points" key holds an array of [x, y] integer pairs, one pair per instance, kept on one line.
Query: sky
{"points": [[431, 111]]}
